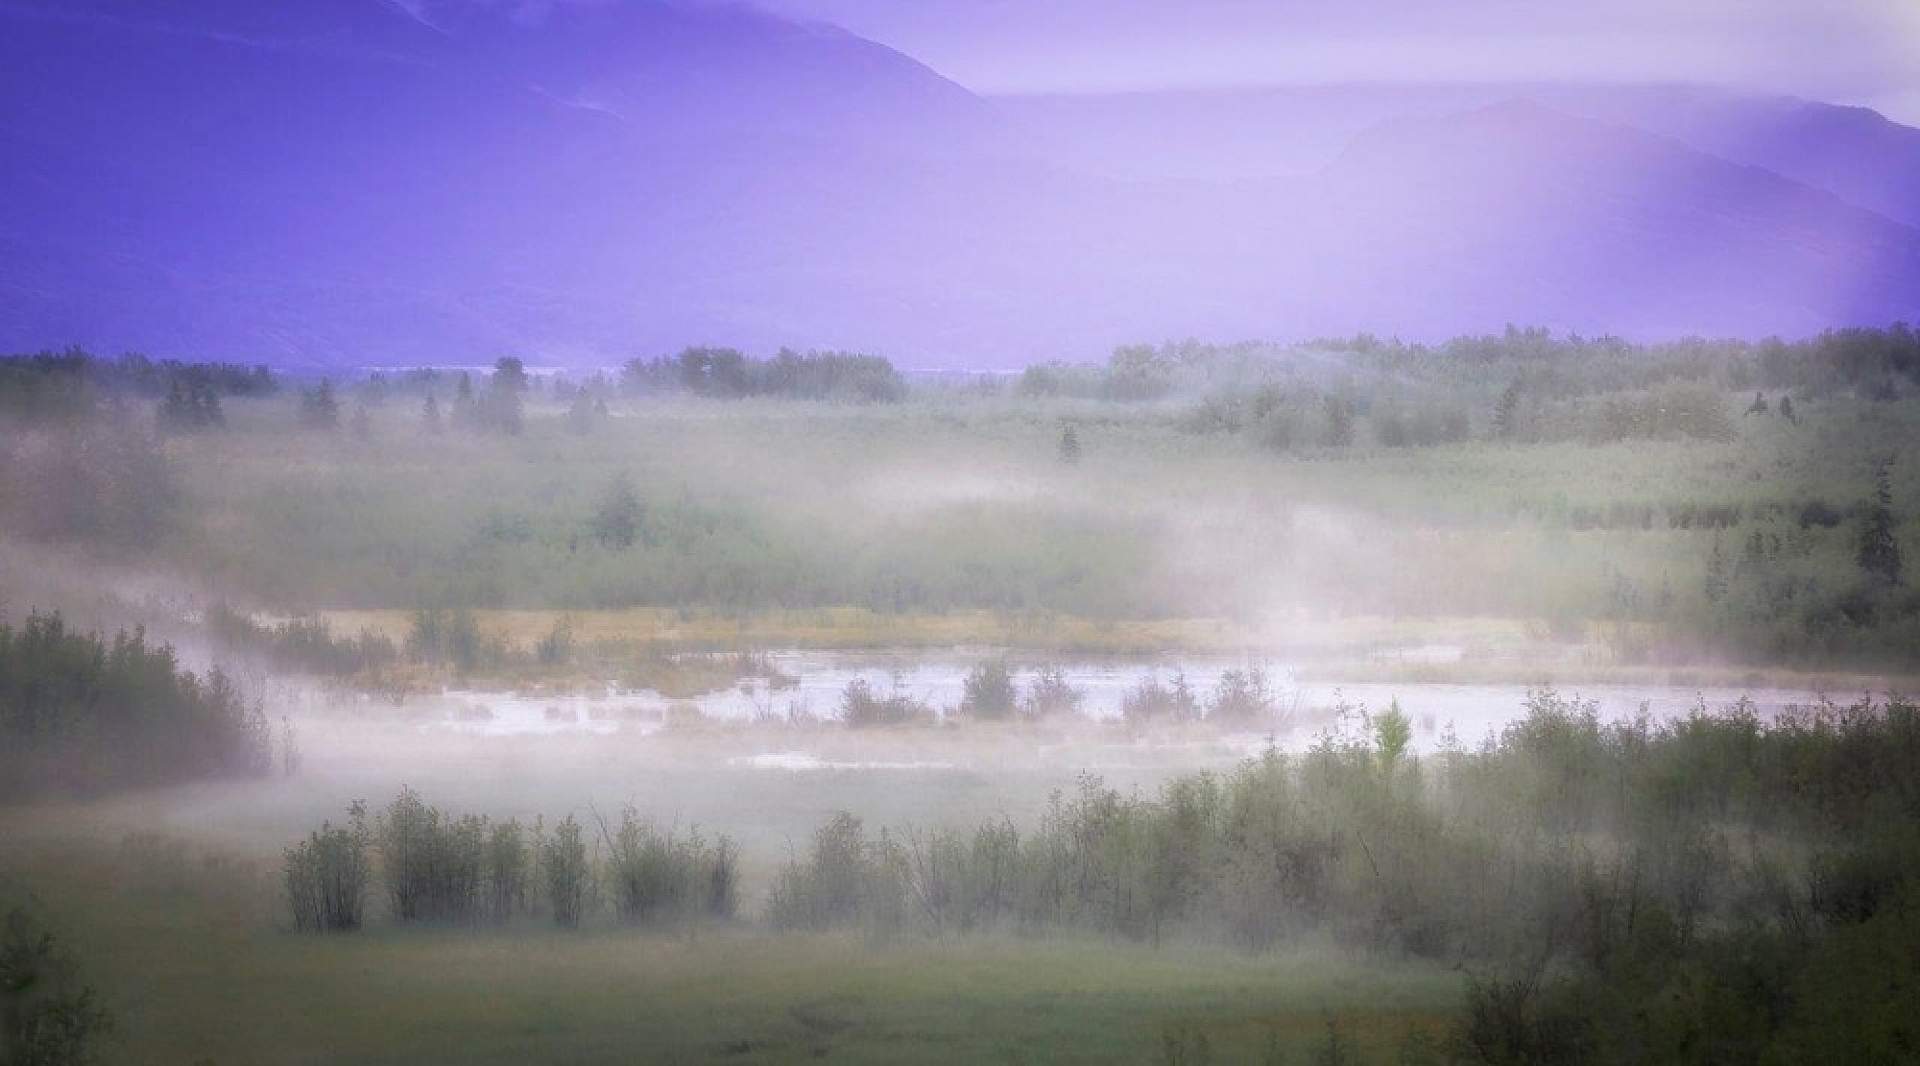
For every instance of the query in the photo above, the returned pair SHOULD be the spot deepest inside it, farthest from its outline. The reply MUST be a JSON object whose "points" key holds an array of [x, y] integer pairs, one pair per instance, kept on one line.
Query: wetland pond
{"points": [[804, 685]]}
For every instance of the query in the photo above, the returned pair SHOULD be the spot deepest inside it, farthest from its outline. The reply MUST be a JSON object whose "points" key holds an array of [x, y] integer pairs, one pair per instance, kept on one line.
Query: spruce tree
{"points": [[1879, 554]]}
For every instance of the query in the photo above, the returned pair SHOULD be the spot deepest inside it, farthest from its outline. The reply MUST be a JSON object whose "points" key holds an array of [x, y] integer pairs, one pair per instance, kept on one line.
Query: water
{"points": [[812, 683]]}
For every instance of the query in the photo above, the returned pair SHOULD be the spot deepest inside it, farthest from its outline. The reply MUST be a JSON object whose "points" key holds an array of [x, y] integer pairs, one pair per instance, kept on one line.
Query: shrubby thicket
{"points": [[80, 712], [1716, 888]]}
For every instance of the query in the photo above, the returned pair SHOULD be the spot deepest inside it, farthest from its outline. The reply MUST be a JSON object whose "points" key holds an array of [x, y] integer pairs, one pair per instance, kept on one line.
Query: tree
{"points": [[1393, 734], [1069, 445], [582, 413], [1340, 417], [176, 411], [318, 407], [1879, 554], [190, 405], [500, 410], [463, 412], [616, 521], [1506, 413], [1716, 583], [511, 374]]}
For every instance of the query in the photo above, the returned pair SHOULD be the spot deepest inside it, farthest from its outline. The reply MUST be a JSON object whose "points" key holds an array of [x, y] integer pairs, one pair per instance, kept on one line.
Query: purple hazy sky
{"points": [[1850, 51]]}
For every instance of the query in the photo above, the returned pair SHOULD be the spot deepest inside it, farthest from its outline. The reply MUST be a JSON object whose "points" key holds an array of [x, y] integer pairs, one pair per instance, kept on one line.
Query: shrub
{"points": [[48, 1016], [1150, 701], [846, 880], [508, 865], [327, 875], [78, 713], [988, 692], [1241, 697], [433, 863], [861, 709], [657, 876], [565, 871], [1049, 694], [304, 644]]}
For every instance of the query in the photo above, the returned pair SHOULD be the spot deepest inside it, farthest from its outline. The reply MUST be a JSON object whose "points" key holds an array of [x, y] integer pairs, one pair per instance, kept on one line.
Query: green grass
{"points": [[192, 965], [950, 519]]}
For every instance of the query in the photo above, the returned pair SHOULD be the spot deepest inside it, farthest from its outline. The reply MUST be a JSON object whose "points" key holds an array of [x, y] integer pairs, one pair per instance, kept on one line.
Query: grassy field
{"points": [[952, 520], [182, 931]]}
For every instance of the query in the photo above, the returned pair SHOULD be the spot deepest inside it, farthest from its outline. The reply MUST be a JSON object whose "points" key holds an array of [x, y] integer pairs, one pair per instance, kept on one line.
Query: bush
{"points": [[1241, 697], [303, 644], [989, 693], [861, 709], [327, 876], [80, 713], [565, 871], [658, 877], [48, 1016], [1050, 695], [846, 880], [1150, 701], [509, 874], [433, 863]]}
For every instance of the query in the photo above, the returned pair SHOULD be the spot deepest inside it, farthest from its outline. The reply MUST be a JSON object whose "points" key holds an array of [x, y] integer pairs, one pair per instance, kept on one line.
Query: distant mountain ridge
{"points": [[366, 182], [1233, 134]]}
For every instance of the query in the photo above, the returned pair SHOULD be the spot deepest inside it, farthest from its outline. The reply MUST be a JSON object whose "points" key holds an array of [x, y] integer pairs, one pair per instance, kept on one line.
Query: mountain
{"points": [[345, 181], [1597, 226], [390, 182], [1231, 134]]}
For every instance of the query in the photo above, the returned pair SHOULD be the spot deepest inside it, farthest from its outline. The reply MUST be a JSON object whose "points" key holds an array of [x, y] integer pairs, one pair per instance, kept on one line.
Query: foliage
{"points": [[327, 876], [658, 876], [79, 712], [48, 1016], [617, 517], [988, 692], [730, 374], [302, 644], [565, 871], [860, 708], [93, 485], [1150, 701], [1050, 695], [319, 407]]}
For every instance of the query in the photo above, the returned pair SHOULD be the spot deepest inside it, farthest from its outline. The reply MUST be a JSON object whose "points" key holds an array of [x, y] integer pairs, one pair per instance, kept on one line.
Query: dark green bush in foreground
{"points": [[48, 1016]]}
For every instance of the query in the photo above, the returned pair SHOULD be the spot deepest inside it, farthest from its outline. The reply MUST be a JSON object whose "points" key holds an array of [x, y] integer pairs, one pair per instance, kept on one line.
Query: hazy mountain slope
{"points": [[1231, 134], [354, 182], [1854, 152], [1595, 226]]}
